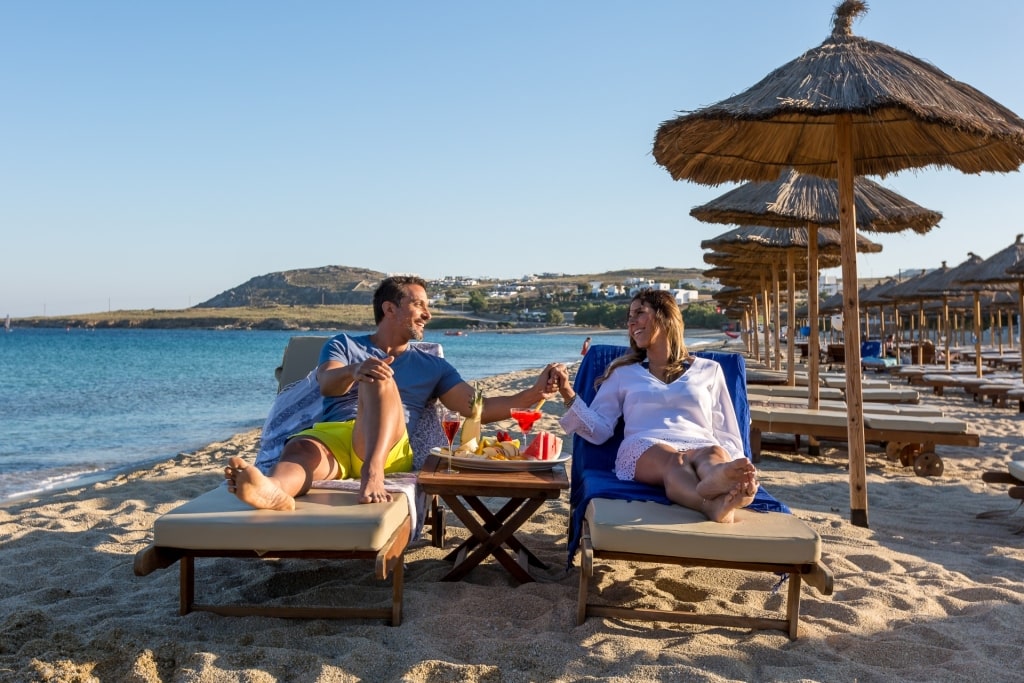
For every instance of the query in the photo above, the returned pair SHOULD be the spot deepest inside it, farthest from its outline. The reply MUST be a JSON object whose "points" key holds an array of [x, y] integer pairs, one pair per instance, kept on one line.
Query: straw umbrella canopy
{"points": [[795, 200], [775, 251], [997, 272], [848, 107], [796, 245]]}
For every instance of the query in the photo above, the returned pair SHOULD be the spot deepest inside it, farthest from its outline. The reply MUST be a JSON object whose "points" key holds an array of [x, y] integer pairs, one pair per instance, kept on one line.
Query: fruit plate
{"points": [[470, 463]]}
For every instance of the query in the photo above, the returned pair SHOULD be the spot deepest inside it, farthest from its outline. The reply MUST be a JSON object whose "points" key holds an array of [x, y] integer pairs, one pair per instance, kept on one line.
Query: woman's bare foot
{"points": [[723, 508], [255, 488], [721, 478]]}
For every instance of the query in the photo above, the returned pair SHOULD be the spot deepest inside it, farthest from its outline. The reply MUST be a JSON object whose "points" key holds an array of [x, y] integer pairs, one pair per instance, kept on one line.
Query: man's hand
{"points": [[373, 369]]}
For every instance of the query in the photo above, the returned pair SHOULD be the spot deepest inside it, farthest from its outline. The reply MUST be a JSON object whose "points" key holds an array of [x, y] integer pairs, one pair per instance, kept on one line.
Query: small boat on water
{"points": [[455, 333], [7, 323]]}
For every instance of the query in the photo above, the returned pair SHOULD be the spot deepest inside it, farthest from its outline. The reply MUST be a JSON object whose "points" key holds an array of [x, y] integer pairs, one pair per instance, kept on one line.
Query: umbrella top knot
{"points": [[844, 15]]}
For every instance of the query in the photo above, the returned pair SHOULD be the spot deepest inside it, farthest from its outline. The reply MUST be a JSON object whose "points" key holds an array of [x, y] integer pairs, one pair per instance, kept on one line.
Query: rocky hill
{"points": [[328, 285]]}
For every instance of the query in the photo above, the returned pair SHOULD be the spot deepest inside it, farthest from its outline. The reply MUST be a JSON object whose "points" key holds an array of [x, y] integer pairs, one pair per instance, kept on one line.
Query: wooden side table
{"points": [[491, 532]]}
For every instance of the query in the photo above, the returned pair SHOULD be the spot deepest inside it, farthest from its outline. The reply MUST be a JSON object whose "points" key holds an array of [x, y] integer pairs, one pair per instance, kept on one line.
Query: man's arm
{"points": [[496, 408], [336, 378]]}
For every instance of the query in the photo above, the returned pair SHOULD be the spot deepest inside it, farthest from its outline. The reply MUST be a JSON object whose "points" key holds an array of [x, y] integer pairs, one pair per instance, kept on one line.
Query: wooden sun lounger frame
{"points": [[909, 447], [816, 575], [388, 560]]}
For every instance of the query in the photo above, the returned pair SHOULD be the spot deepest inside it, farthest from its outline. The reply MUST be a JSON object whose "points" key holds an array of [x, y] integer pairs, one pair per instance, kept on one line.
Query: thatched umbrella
{"points": [[994, 273], [807, 202], [761, 271], [848, 107], [795, 246]]}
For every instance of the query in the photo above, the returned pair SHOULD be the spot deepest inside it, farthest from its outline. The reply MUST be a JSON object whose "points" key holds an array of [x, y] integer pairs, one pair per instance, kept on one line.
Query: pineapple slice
{"points": [[471, 426]]}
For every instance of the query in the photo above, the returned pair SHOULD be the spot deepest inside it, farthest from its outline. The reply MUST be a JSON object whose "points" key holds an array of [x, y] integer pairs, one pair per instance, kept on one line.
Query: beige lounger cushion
{"points": [[880, 395], [825, 418], [1017, 469], [322, 520], [909, 423], [652, 528], [769, 403]]}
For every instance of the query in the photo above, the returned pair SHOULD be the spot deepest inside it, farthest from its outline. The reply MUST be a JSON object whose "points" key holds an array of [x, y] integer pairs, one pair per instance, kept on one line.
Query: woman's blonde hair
{"points": [[669, 319]]}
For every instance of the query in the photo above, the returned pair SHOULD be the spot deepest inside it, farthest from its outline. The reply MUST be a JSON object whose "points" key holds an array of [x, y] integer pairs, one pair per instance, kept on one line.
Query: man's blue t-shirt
{"points": [[420, 376]]}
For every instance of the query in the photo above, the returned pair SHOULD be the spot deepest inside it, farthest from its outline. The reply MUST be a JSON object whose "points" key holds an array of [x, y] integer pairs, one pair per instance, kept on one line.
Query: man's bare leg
{"points": [[380, 423], [302, 461]]}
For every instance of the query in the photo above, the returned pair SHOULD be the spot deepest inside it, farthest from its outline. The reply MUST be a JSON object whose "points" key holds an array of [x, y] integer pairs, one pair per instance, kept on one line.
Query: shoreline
{"points": [[78, 481]]}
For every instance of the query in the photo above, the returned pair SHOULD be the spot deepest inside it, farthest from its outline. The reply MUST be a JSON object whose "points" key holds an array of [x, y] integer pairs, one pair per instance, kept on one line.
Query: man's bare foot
{"points": [[723, 508], [722, 477], [255, 488], [371, 490]]}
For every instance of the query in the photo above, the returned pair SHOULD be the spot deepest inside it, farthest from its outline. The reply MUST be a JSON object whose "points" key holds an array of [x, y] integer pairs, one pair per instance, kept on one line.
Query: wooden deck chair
{"points": [[326, 524], [909, 438], [625, 520], [1014, 476]]}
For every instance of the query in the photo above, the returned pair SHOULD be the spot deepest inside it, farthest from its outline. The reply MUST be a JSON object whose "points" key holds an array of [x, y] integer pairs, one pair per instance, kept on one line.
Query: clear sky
{"points": [[157, 153]]}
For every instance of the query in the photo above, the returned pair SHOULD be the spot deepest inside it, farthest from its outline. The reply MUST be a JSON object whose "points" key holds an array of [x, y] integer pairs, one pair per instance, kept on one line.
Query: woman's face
{"points": [[642, 326]]}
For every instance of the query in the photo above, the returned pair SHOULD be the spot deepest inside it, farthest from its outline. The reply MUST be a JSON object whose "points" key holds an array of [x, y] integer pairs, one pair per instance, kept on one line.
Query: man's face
{"points": [[413, 312]]}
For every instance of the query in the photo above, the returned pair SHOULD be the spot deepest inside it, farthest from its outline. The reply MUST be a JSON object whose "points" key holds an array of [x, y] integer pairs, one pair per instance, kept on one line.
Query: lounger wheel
{"points": [[928, 465], [906, 453]]}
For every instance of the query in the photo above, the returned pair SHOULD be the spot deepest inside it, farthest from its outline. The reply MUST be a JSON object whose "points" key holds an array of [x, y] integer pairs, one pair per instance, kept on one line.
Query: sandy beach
{"points": [[927, 593]]}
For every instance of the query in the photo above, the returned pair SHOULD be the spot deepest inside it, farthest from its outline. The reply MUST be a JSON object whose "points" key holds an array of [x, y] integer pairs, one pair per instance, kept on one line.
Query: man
{"points": [[373, 387]]}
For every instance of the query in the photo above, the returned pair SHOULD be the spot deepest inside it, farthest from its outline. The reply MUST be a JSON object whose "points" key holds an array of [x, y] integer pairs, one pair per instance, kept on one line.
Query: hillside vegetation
{"points": [[329, 297]]}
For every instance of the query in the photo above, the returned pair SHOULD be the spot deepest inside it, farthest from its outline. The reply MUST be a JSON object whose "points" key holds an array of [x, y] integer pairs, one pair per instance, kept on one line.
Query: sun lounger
{"points": [[908, 438], [326, 524], [882, 408], [1014, 475], [625, 520]]}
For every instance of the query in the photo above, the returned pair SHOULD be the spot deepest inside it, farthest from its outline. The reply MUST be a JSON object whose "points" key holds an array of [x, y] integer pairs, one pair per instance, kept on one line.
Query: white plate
{"points": [[470, 463]]}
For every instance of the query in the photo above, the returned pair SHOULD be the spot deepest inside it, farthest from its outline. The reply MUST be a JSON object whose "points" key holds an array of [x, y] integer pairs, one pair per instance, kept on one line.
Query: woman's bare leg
{"points": [[662, 465], [718, 473]]}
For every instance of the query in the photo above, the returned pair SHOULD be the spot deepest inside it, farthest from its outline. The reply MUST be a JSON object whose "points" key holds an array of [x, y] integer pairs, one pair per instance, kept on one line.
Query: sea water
{"points": [[79, 404]]}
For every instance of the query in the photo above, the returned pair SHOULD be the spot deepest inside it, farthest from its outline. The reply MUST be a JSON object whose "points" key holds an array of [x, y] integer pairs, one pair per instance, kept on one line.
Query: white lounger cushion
{"points": [[322, 520], [653, 528], [880, 408], [909, 423], [1017, 469]]}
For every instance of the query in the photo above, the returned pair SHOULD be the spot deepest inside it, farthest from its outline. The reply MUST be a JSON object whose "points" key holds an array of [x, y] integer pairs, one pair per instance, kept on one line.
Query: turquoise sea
{"points": [[78, 405]]}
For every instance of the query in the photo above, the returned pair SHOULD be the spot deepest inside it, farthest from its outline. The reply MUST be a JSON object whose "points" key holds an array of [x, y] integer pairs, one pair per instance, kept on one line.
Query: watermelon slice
{"points": [[545, 446]]}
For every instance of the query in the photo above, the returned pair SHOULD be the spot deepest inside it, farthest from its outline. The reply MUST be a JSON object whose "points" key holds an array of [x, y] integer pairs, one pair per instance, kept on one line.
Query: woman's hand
{"points": [[558, 380]]}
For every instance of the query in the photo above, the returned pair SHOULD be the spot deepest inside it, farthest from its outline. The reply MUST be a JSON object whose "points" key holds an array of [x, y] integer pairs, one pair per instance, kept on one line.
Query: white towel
{"points": [[398, 482]]}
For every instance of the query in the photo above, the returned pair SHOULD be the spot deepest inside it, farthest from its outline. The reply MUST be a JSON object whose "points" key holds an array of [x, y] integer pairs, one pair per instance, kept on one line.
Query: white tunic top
{"points": [[694, 411]]}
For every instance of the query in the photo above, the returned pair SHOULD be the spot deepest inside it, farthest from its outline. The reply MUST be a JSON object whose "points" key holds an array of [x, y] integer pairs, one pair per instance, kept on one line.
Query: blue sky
{"points": [[156, 154]]}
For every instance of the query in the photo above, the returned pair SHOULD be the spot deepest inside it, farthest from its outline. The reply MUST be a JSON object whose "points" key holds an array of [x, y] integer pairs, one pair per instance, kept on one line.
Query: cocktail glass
{"points": [[525, 420], [450, 422]]}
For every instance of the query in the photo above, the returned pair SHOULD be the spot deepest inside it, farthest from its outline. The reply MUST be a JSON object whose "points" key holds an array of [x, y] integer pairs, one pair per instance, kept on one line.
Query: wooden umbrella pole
{"points": [[790, 317], [977, 333], [1020, 322], [851, 324], [776, 316], [945, 327], [753, 331], [767, 322], [813, 351]]}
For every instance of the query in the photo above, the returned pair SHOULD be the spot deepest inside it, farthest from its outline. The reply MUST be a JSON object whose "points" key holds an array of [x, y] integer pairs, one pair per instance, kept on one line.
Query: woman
{"points": [[680, 427]]}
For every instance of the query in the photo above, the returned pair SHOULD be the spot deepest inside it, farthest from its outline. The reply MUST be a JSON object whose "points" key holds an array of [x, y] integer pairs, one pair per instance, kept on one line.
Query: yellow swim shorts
{"points": [[337, 436]]}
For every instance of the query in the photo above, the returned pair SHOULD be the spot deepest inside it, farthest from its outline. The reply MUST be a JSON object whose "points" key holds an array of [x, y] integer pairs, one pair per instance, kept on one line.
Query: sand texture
{"points": [[927, 593]]}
